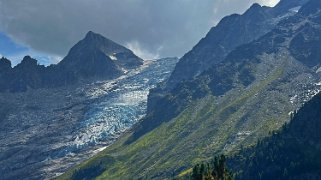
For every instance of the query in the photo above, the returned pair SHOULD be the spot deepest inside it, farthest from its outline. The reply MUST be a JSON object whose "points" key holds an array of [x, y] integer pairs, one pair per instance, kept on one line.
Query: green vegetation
{"points": [[292, 152], [225, 109], [207, 126], [216, 170]]}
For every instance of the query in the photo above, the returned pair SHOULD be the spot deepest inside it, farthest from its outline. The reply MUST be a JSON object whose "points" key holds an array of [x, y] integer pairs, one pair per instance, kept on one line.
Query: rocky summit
{"points": [[231, 32], [97, 56], [94, 57]]}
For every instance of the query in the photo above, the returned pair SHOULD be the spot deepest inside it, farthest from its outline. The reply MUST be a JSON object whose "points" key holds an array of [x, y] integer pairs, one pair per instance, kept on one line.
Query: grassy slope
{"points": [[197, 133], [291, 153]]}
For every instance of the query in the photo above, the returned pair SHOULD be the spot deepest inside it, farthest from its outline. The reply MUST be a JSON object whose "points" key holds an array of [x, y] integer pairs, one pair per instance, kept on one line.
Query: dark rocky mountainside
{"points": [[231, 32], [293, 152], [251, 91], [246, 64], [94, 57]]}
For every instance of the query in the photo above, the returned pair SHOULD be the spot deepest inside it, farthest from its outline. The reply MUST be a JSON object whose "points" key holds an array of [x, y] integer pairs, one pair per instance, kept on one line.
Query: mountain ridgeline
{"points": [[213, 51], [231, 32], [94, 57], [225, 94], [246, 64]]}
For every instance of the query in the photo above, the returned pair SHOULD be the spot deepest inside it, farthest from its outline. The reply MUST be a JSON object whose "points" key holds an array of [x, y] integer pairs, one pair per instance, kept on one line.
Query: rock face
{"points": [[295, 40], [231, 104], [231, 32], [5, 65], [216, 48], [27, 74], [5, 68], [94, 57]]}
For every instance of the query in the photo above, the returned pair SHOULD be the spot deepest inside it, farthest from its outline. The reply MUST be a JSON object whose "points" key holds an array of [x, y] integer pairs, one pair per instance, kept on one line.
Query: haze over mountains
{"points": [[243, 80]]}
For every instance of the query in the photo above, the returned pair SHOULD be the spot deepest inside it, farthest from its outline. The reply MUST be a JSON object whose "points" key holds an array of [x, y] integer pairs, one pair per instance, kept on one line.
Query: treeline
{"points": [[214, 170], [292, 153]]}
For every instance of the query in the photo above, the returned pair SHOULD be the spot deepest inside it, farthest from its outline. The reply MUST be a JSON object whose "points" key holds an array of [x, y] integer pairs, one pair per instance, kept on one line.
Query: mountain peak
{"points": [[255, 6], [97, 56], [27, 60], [89, 33], [94, 40], [92, 35], [5, 64], [4, 60], [254, 9]]}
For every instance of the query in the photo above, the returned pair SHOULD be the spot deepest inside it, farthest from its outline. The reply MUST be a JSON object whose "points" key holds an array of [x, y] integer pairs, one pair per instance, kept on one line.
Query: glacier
{"points": [[46, 131]]}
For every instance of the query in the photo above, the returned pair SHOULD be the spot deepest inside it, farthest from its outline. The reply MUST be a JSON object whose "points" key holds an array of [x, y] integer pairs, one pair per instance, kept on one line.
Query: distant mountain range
{"points": [[240, 82], [94, 57]]}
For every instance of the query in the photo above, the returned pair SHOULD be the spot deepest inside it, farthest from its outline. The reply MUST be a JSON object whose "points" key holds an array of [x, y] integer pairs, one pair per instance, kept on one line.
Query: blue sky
{"points": [[8, 47], [15, 52]]}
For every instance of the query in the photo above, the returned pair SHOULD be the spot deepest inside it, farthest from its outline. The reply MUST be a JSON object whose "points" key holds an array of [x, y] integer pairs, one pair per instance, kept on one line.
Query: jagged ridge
{"points": [[94, 57]]}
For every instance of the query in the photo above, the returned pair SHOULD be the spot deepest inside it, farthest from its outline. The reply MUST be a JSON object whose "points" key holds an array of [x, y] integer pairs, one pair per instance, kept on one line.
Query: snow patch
{"points": [[99, 150], [244, 133], [295, 9], [293, 98], [113, 57]]}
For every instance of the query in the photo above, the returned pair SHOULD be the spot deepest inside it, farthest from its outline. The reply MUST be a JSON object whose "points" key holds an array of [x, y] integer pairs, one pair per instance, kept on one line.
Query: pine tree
{"points": [[216, 170]]}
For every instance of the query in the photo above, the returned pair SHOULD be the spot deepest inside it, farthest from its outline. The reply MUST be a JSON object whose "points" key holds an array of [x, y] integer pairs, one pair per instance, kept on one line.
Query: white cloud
{"points": [[42, 58], [270, 3], [141, 52]]}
